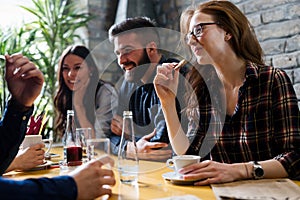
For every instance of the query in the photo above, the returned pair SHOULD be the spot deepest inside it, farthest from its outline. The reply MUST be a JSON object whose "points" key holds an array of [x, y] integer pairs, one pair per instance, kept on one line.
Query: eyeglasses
{"points": [[197, 30]]}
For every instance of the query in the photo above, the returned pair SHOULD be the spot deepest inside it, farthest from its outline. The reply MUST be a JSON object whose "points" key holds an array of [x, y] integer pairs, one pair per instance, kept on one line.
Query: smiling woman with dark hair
{"points": [[81, 90], [25, 82]]}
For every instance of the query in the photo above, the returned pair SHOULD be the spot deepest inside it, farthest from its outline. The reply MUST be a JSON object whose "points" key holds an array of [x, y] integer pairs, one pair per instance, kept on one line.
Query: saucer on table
{"points": [[174, 178], [46, 165]]}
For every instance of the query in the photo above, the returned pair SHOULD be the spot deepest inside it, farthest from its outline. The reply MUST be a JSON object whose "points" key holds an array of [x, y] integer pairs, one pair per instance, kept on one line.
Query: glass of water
{"points": [[128, 162], [96, 148]]}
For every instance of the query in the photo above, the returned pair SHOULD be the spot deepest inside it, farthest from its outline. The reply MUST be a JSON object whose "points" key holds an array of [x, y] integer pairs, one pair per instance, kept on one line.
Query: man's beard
{"points": [[136, 73]]}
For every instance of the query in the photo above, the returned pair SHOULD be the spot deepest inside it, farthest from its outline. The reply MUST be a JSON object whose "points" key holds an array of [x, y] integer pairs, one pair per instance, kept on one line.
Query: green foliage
{"points": [[43, 40]]}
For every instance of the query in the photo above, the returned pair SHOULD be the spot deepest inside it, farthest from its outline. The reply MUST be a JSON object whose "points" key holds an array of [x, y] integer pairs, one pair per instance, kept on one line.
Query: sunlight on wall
{"points": [[11, 15]]}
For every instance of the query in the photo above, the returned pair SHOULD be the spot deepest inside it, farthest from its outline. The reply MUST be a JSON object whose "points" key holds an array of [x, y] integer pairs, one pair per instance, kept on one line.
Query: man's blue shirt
{"points": [[142, 100]]}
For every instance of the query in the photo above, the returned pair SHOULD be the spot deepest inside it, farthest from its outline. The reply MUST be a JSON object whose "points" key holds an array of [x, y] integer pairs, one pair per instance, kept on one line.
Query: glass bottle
{"points": [[71, 142], [128, 163]]}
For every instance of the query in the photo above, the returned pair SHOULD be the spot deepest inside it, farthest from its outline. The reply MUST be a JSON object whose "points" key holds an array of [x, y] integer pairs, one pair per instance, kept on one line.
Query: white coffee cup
{"points": [[31, 140], [178, 162]]}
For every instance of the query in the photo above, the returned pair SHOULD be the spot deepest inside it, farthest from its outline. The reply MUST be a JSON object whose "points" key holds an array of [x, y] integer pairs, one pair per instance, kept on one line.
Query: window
{"points": [[12, 15]]}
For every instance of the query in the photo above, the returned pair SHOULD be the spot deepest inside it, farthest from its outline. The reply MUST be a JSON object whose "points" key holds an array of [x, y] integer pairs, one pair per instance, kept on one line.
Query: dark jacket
{"points": [[12, 132]]}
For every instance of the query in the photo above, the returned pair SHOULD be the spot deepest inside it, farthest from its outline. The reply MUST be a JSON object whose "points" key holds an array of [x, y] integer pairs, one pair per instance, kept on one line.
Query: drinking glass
{"points": [[97, 148], [84, 134]]}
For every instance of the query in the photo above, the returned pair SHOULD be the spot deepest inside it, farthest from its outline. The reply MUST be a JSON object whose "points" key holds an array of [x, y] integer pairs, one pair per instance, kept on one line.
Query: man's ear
{"points": [[151, 48]]}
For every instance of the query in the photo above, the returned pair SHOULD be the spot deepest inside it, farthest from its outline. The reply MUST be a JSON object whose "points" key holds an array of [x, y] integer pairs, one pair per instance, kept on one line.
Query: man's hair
{"points": [[142, 26]]}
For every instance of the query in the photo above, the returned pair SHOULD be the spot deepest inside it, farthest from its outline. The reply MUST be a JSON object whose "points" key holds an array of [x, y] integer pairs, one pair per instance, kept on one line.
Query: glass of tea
{"points": [[84, 134], [74, 150]]}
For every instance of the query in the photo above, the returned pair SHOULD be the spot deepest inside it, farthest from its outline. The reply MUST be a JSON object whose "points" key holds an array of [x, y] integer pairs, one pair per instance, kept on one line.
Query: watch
{"points": [[258, 171]]}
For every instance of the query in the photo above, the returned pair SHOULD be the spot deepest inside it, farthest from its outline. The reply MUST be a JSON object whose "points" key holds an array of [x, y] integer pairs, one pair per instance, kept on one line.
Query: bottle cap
{"points": [[70, 112], [127, 113]]}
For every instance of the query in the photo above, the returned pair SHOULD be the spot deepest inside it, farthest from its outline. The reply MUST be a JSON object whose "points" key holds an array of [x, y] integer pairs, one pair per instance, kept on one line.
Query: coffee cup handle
{"points": [[49, 146], [170, 163]]}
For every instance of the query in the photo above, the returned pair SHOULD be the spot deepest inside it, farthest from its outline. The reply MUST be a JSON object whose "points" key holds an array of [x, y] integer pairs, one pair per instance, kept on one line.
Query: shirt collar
{"points": [[161, 61], [251, 70]]}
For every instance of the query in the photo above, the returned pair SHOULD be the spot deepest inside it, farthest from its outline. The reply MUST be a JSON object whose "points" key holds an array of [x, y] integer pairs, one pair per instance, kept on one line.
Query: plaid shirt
{"points": [[265, 123]]}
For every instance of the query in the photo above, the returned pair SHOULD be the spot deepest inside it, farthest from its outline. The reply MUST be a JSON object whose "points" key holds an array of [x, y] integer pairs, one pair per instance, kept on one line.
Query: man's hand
{"points": [[116, 125], [23, 78], [150, 150], [92, 179]]}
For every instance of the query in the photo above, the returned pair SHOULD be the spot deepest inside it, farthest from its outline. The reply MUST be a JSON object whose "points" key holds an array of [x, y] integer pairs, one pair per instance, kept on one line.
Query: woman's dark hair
{"points": [[63, 97]]}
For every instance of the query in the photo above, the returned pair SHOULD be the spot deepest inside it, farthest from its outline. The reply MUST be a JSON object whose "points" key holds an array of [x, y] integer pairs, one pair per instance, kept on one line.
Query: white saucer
{"points": [[46, 165], [177, 179]]}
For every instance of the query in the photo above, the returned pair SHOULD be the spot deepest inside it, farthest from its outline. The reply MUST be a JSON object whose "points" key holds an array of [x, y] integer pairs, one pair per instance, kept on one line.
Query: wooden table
{"points": [[151, 185]]}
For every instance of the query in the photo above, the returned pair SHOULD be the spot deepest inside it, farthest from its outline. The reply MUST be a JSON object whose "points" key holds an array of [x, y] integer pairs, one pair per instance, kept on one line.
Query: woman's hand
{"points": [[209, 172], [166, 82]]}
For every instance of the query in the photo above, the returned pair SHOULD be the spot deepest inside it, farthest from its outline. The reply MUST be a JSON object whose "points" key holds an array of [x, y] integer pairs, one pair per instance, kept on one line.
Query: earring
{"points": [[91, 74]]}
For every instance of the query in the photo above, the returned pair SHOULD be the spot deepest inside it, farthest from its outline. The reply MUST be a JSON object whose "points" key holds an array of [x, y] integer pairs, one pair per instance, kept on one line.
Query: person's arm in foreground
{"points": [[86, 182], [24, 82]]}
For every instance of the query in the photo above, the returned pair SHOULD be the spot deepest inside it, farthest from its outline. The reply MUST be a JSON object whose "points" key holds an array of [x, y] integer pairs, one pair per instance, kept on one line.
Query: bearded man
{"points": [[136, 45]]}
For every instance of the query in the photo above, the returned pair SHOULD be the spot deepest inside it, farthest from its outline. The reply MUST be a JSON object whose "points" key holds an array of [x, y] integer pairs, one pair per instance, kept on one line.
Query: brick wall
{"points": [[277, 26], [276, 23]]}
